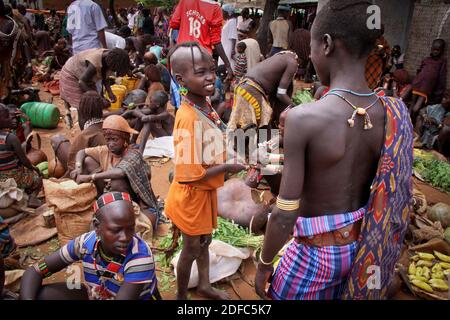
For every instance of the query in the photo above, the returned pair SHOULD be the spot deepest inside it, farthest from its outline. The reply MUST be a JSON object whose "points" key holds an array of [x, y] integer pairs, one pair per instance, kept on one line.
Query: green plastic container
{"points": [[41, 114]]}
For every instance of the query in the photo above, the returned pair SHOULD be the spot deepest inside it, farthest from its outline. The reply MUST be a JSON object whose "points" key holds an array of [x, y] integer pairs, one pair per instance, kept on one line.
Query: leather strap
{"points": [[340, 237]]}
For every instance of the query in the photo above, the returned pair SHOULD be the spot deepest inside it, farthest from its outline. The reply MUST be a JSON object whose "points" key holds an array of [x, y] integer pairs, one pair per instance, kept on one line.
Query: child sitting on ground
{"points": [[155, 120], [429, 85], [431, 121], [150, 58], [14, 162], [151, 81]]}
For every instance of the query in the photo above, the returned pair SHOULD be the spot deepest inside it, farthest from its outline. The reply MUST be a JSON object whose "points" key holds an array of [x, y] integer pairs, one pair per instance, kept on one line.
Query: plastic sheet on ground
{"points": [[159, 148], [224, 261]]}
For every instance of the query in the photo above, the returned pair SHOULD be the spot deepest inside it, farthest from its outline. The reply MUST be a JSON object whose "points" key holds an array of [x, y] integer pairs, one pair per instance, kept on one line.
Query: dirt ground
{"points": [[238, 286]]}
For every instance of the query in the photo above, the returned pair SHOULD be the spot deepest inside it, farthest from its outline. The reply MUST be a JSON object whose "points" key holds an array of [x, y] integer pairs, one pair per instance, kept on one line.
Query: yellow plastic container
{"points": [[119, 91], [130, 83]]}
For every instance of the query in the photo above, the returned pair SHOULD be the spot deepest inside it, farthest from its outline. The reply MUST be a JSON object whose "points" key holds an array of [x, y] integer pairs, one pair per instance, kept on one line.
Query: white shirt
{"points": [[114, 41], [132, 20], [229, 33], [84, 19]]}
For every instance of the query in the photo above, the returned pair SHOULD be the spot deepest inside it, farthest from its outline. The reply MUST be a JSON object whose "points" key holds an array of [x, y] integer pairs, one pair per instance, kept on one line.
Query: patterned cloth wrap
{"points": [[350, 271], [250, 106], [137, 171], [384, 226], [307, 272]]}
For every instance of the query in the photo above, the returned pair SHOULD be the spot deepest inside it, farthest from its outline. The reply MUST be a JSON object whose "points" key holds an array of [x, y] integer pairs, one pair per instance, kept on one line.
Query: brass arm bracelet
{"points": [[263, 262], [287, 205]]}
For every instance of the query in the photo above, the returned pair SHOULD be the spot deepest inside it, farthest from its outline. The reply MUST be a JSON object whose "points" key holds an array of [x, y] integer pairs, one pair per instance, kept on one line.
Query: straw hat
{"points": [[118, 123]]}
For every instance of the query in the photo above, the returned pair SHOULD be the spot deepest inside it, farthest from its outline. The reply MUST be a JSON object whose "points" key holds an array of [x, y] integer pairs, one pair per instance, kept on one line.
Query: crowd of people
{"points": [[200, 70]]}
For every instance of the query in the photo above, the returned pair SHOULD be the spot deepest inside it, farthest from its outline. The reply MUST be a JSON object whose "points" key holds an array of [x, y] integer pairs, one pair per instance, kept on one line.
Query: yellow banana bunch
{"points": [[422, 285], [419, 271], [446, 272], [438, 275], [426, 263], [437, 267], [413, 277], [438, 284], [425, 256], [426, 273], [412, 268], [445, 265], [442, 257]]}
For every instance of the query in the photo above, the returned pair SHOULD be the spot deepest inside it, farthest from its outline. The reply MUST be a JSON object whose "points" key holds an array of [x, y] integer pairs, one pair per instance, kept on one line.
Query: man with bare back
{"points": [[346, 186], [264, 92]]}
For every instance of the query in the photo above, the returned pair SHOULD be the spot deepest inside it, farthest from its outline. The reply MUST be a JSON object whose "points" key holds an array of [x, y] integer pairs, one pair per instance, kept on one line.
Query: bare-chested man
{"points": [[264, 92], [337, 192]]}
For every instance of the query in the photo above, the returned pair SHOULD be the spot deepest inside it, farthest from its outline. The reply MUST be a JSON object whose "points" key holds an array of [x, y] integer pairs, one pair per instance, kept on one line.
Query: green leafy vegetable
{"points": [[227, 231], [434, 171], [302, 96]]}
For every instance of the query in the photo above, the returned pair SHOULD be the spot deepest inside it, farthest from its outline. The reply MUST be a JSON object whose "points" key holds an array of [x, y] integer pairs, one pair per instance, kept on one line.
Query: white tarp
{"points": [[224, 261], [159, 147]]}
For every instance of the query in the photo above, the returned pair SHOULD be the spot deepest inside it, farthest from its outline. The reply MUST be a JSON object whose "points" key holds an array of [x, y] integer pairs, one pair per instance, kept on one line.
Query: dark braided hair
{"points": [[192, 45], [117, 60], [90, 107]]}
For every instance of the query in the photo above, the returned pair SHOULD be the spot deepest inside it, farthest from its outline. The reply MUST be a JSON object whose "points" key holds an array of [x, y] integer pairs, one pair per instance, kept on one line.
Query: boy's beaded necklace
{"points": [[357, 110], [211, 114], [113, 267]]}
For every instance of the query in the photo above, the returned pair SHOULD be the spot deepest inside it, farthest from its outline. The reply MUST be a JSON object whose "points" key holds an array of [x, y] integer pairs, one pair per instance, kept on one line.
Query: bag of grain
{"points": [[72, 203]]}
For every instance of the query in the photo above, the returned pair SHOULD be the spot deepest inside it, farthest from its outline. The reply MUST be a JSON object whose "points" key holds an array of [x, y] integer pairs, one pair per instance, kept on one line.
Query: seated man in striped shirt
{"points": [[116, 263]]}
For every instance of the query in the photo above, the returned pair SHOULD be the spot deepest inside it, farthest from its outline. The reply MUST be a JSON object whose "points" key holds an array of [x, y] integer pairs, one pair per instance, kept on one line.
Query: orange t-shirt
{"points": [[192, 204]]}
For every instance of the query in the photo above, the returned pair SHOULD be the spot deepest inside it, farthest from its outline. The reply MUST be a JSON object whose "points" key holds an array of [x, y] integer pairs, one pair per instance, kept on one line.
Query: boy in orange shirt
{"points": [[192, 200]]}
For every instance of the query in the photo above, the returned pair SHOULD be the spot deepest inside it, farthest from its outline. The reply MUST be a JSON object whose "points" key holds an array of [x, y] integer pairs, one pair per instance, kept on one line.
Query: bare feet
{"points": [[34, 202], [211, 293]]}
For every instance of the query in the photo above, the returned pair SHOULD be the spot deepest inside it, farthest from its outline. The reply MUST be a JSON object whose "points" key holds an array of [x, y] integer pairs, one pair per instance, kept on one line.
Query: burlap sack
{"points": [[73, 206], [144, 228]]}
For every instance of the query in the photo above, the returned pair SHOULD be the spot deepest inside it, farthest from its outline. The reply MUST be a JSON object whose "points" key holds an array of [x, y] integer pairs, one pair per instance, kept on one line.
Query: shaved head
{"points": [[151, 58], [115, 227], [120, 209], [184, 55]]}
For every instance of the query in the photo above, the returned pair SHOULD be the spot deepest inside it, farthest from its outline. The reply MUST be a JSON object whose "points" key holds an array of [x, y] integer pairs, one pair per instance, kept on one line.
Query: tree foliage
{"points": [[158, 3]]}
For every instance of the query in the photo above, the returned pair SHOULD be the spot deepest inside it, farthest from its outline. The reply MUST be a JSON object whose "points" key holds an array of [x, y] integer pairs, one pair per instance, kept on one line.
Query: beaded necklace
{"points": [[211, 114], [353, 92], [91, 122], [357, 111], [112, 268]]}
